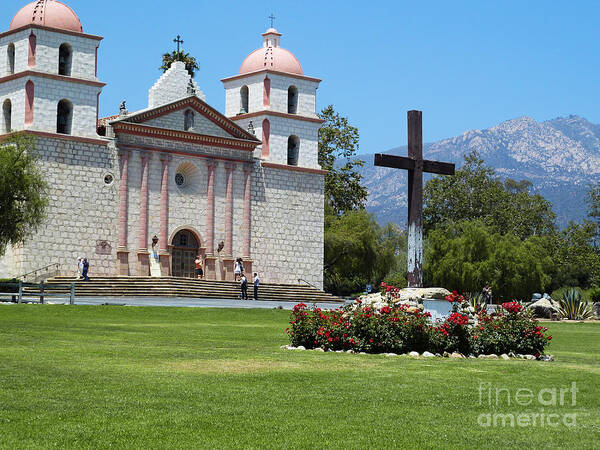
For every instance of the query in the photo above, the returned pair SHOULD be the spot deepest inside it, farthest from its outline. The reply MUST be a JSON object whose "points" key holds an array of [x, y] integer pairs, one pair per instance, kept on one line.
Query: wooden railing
{"points": [[28, 290]]}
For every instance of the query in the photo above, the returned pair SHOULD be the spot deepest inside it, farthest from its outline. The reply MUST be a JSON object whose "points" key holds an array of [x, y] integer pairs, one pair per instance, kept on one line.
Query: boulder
{"points": [[547, 358], [457, 355], [505, 357], [492, 356], [301, 347], [529, 357], [535, 297], [428, 354], [390, 354], [423, 293], [544, 308], [319, 349], [413, 354]]}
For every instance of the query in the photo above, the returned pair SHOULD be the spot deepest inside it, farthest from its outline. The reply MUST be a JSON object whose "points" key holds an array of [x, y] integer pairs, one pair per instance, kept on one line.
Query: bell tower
{"points": [[48, 72], [272, 92]]}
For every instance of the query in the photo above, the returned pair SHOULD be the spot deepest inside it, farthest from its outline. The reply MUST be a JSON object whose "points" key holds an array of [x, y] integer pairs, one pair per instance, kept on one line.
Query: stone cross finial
{"points": [[251, 128], [272, 17], [178, 41]]}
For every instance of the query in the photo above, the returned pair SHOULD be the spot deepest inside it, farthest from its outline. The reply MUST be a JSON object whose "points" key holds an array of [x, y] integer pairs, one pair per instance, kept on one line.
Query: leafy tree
{"points": [[474, 193], [338, 144], [191, 64], [467, 255], [355, 251], [593, 202], [22, 191], [577, 263]]}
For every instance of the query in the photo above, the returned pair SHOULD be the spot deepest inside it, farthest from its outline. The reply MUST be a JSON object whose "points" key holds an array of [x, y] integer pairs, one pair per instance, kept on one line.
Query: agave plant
{"points": [[477, 300], [571, 306]]}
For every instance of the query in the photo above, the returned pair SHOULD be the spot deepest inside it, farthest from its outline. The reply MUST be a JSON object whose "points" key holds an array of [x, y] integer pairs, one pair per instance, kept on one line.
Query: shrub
{"points": [[594, 295], [399, 328], [571, 306]]}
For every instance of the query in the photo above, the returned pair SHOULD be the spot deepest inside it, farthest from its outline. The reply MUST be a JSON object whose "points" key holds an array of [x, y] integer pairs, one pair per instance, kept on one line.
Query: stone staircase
{"points": [[184, 287]]}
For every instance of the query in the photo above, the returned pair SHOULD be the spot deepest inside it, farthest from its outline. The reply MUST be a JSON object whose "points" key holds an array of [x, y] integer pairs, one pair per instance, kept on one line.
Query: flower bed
{"points": [[401, 328]]}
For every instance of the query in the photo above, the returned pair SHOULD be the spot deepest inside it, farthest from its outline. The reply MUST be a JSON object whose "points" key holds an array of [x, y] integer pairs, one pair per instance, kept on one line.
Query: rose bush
{"points": [[397, 328]]}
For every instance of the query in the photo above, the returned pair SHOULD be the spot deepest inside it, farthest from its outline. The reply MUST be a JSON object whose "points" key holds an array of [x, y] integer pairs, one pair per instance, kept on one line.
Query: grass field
{"points": [[83, 377]]}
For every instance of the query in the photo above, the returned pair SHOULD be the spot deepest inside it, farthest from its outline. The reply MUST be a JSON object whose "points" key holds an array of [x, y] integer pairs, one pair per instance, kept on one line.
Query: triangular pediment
{"points": [[205, 120]]}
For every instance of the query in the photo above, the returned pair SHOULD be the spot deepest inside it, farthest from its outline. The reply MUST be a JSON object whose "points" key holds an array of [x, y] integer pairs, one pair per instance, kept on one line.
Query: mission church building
{"points": [[142, 193]]}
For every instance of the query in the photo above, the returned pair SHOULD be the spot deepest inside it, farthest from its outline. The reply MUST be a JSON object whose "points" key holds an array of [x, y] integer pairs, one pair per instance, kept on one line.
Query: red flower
{"points": [[512, 307], [549, 338]]}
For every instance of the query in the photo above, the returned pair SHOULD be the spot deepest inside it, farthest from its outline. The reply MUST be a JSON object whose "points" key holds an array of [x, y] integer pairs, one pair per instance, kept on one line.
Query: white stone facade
{"points": [[83, 170], [172, 86]]}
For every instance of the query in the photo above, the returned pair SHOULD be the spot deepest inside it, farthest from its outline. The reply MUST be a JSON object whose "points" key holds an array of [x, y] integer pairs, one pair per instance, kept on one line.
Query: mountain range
{"points": [[560, 157]]}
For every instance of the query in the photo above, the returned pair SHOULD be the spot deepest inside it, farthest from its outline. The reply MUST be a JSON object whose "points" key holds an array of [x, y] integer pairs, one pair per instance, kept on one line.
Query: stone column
{"points": [[210, 259], [122, 253], [247, 240], [143, 255], [229, 259], [164, 254]]}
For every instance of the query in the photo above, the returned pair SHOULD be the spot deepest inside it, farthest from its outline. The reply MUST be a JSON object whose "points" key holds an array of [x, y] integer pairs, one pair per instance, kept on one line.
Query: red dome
{"points": [[48, 13], [272, 57]]}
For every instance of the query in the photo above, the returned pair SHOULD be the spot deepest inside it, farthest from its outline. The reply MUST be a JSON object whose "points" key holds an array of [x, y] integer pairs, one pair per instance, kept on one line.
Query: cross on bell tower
{"points": [[272, 18]]}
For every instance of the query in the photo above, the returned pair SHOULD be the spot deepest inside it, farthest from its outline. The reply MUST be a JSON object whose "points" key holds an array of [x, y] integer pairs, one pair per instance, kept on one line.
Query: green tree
{"points": [[338, 144], [475, 193], [577, 262], [593, 202], [355, 251], [22, 191], [191, 64], [467, 255]]}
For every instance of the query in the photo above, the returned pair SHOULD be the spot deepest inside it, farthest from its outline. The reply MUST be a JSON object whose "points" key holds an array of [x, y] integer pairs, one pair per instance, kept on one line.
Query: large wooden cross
{"points": [[416, 165]]}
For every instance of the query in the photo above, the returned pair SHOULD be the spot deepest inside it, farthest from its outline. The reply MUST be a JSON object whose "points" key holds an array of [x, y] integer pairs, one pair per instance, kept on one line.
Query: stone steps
{"points": [[182, 287]]}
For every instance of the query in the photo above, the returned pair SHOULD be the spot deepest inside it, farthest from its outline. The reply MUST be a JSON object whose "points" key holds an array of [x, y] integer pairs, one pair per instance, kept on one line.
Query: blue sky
{"points": [[466, 64]]}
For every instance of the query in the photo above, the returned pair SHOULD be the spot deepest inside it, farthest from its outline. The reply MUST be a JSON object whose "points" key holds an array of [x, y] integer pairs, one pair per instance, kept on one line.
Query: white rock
{"points": [[301, 347], [456, 355], [319, 349], [339, 351], [492, 356], [413, 354], [390, 354], [547, 358], [291, 347], [428, 354], [530, 357], [504, 356], [481, 357]]}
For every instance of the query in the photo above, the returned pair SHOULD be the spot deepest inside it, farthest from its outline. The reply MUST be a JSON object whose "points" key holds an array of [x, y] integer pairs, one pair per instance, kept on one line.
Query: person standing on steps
{"points": [[244, 286], [86, 268], [199, 268], [256, 283], [79, 267], [237, 269]]}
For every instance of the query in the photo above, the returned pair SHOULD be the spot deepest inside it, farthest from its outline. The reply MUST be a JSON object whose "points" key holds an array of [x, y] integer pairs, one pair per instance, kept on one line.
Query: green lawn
{"points": [[82, 377]]}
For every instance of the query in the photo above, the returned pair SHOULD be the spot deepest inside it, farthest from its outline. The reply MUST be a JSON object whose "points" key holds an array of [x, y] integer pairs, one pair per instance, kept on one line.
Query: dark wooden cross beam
{"points": [[178, 41], [416, 165]]}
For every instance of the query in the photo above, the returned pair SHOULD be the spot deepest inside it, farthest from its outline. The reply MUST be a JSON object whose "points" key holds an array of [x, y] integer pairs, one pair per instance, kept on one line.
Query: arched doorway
{"points": [[184, 248]]}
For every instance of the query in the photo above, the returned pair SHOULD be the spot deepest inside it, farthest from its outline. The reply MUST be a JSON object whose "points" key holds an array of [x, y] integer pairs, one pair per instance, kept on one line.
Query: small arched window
{"points": [[64, 117], [32, 50], [244, 95], [65, 59], [6, 116], [10, 55], [292, 100], [293, 149], [188, 121]]}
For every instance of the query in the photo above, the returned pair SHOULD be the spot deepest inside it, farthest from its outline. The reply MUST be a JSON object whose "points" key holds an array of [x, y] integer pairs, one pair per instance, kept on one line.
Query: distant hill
{"points": [[561, 157]]}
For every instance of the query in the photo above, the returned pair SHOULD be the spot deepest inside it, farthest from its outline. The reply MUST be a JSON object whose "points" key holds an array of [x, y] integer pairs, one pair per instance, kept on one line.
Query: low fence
{"points": [[37, 290]]}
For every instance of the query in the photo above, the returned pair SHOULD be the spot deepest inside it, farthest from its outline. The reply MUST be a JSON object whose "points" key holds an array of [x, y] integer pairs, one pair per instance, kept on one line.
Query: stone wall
{"points": [[83, 210], [287, 225], [172, 86]]}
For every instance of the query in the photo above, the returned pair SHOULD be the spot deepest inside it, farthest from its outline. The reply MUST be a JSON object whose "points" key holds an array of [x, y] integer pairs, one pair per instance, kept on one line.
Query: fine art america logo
{"points": [[524, 407]]}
